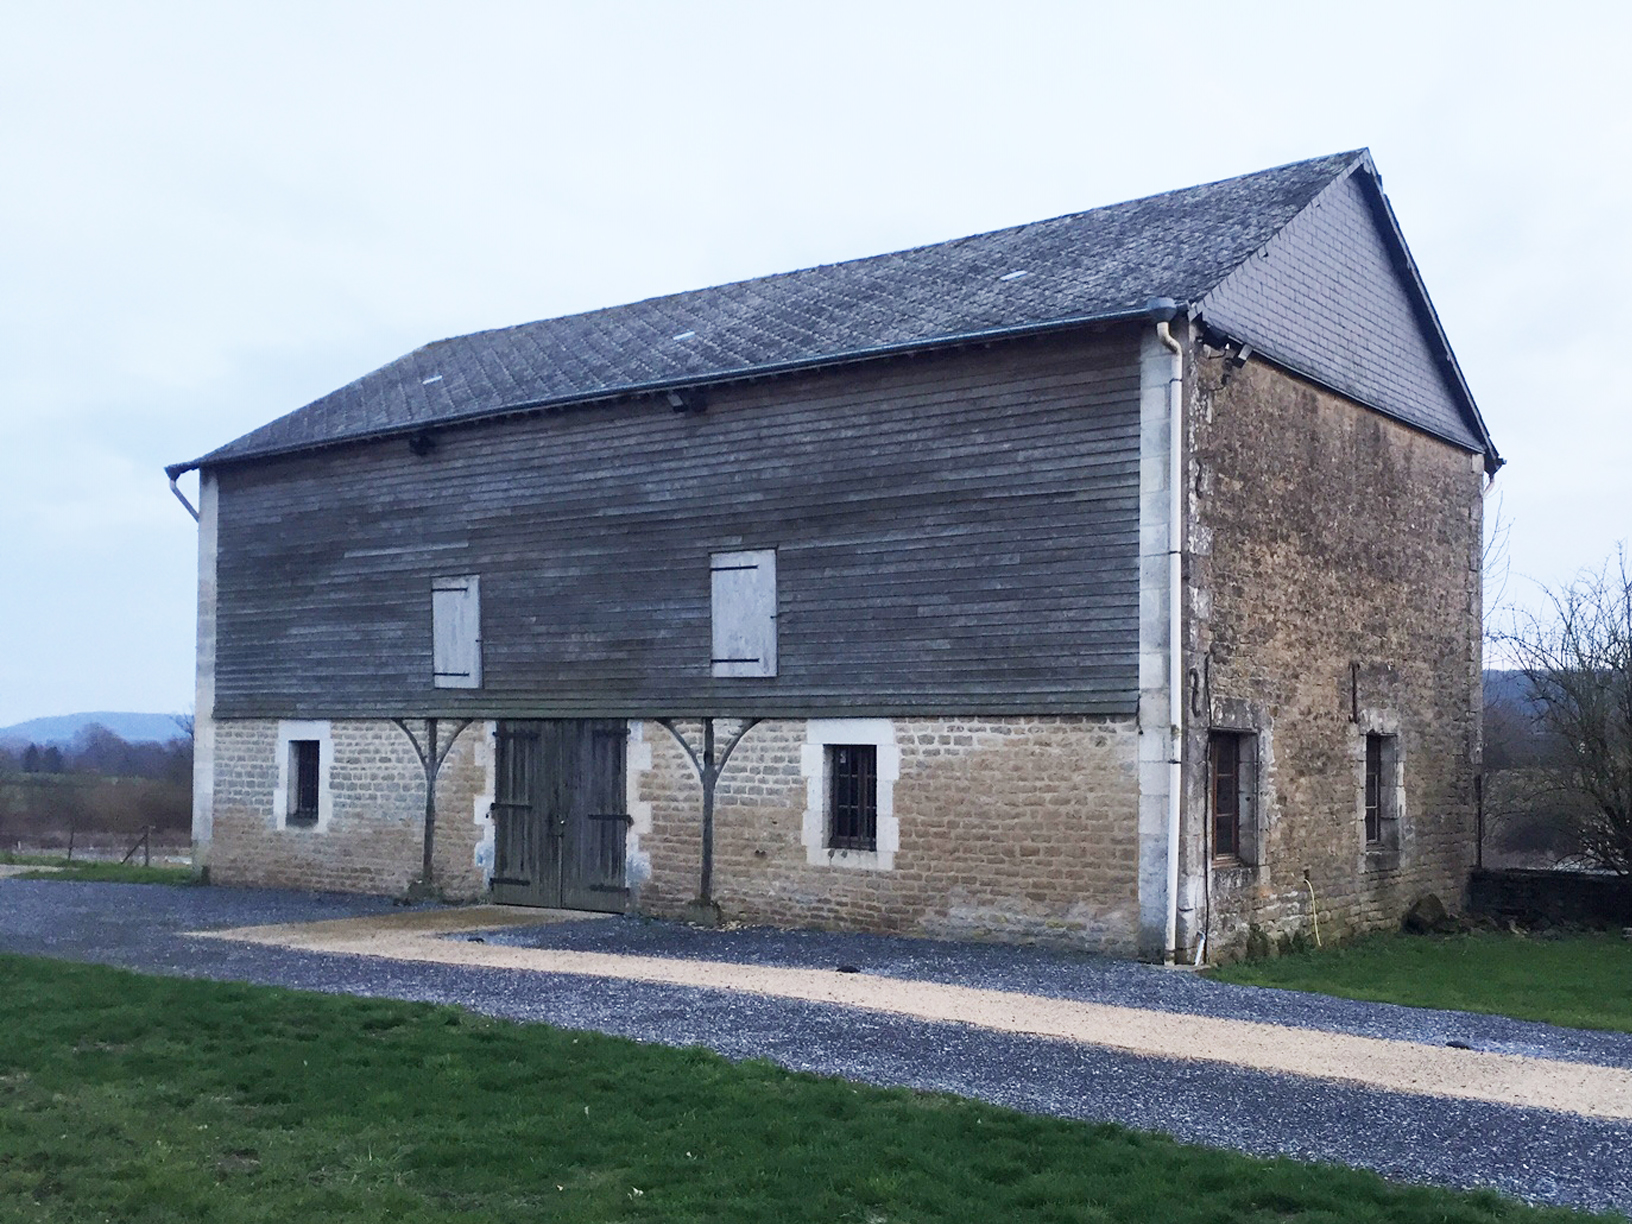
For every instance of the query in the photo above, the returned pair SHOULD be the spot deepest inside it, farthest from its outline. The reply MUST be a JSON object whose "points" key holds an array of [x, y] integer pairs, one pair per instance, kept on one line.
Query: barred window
{"points": [[1382, 817], [304, 764], [852, 790], [1226, 763], [1232, 789]]}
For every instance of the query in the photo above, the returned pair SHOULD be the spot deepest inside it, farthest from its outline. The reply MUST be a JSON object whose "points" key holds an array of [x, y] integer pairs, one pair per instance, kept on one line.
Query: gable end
{"points": [[1334, 297]]}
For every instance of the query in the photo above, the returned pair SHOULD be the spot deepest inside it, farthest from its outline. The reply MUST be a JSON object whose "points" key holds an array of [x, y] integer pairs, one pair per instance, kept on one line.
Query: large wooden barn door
{"points": [[594, 820], [559, 823], [526, 858]]}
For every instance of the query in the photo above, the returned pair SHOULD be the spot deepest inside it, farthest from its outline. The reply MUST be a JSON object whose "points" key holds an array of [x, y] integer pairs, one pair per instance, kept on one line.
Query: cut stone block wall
{"points": [[1012, 829], [1019, 829], [1333, 576], [371, 839]]}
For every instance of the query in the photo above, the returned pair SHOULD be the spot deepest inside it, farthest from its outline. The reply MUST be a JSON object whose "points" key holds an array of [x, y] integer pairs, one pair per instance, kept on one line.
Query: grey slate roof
{"points": [[1101, 264]]}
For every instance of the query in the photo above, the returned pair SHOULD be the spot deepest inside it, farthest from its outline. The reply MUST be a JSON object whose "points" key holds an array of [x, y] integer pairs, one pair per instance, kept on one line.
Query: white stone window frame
{"points": [[821, 734], [290, 731], [1252, 719], [637, 860], [482, 802], [1385, 854]]}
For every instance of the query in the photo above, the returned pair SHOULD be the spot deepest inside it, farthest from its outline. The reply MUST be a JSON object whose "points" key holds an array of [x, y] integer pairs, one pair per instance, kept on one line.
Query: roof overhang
{"points": [[1155, 309]]}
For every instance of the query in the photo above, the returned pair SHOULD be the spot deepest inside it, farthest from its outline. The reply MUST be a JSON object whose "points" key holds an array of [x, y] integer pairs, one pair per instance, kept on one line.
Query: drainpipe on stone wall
{"points": [[1175, 612]]}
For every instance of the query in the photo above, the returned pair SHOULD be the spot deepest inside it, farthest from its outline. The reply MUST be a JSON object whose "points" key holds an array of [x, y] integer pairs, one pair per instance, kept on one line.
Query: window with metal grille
{"points": [[305, 761], [1381, 824], [1225, 760], [1231, 768], [852, 796]]}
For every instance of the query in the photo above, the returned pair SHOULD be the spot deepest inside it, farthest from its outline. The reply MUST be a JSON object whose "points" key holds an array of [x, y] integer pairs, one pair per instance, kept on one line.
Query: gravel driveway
{"points": [[1545, 1155]]}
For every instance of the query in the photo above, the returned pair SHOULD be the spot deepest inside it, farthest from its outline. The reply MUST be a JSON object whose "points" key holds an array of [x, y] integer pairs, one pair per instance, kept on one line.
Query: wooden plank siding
{"points": [[955, 533]]}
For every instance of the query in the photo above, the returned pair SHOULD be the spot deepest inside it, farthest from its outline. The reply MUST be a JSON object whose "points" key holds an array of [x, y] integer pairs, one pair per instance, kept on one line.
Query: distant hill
{"points": [[60, 730], [1504, 686], [1507, 687]]}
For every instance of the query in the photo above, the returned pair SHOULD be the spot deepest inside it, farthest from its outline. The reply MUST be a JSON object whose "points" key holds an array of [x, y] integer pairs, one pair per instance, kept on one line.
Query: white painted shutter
{"points": [[456, 632], [744, 604]]}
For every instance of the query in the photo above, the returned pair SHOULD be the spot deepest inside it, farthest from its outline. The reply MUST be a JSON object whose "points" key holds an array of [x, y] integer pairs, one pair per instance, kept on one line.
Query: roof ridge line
{"points": [[1353, 154]]}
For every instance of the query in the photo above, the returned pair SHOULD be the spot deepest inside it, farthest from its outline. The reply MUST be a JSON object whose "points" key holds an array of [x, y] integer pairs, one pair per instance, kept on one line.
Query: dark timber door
{"points": [[526, 858], [559, 823]]}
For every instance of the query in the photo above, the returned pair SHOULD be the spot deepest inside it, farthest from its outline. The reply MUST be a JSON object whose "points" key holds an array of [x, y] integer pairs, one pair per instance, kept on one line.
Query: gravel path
{"points": [[1065, 975], [1390, 1064], [1537, 1154]]}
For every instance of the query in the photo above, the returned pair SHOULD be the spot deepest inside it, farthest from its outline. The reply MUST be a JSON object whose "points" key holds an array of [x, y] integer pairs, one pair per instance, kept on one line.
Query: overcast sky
{"points": [[215, 213]]}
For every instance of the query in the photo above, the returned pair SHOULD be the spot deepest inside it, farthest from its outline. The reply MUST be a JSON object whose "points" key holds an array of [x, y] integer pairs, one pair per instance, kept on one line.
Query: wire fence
{"points": [[89, 816]]}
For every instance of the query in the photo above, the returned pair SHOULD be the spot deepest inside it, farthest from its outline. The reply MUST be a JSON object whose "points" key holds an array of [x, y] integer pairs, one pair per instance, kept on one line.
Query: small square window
{"points": [[305, 761], [852, 797]]}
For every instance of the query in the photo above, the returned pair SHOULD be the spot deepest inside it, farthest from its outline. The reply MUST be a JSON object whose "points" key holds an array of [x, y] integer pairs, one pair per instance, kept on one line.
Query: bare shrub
{"points": [[1576, 658]]}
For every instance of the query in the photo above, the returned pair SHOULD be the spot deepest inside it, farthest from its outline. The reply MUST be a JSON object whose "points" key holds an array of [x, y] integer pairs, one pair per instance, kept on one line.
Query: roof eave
{"points": [[1149, 310], [1218, 334]]}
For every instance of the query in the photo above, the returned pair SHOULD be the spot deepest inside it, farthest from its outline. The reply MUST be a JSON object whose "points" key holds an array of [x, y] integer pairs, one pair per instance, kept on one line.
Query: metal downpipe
{"points": [[1175, 625]]}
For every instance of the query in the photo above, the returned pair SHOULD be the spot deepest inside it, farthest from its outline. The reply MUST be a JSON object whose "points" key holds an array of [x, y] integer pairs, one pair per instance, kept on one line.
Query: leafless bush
{"points": [[1576, 658]]}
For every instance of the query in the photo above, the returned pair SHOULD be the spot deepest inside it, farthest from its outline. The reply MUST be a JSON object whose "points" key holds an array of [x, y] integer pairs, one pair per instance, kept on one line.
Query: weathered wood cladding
{"points": [[955, 533]]}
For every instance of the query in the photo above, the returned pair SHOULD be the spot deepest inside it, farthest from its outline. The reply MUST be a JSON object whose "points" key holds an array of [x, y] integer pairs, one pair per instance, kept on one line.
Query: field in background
{"points": [[99, 792], [104, 816]]}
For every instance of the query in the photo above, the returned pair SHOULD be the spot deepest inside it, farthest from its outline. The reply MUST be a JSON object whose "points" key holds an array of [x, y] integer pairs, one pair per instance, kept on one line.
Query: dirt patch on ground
{"points": [[1396, 1066], [431, 922]]}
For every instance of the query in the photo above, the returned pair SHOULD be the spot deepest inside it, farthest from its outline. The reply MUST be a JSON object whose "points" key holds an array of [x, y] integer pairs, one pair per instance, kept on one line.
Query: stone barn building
{"points": [[1111, 582]]}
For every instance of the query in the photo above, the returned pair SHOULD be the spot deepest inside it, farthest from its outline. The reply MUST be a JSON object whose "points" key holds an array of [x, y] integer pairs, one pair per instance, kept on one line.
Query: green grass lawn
{"points": [[11, 859], [111, 873], [93, 869], [137, 1099], [1583, 980]]}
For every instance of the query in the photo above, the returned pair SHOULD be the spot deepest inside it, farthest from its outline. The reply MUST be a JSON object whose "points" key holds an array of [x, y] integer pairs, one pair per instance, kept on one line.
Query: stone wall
{"points": [[1013, 829], [1552, 898], [1333, 588], [370, 836], [1018, 829]]}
